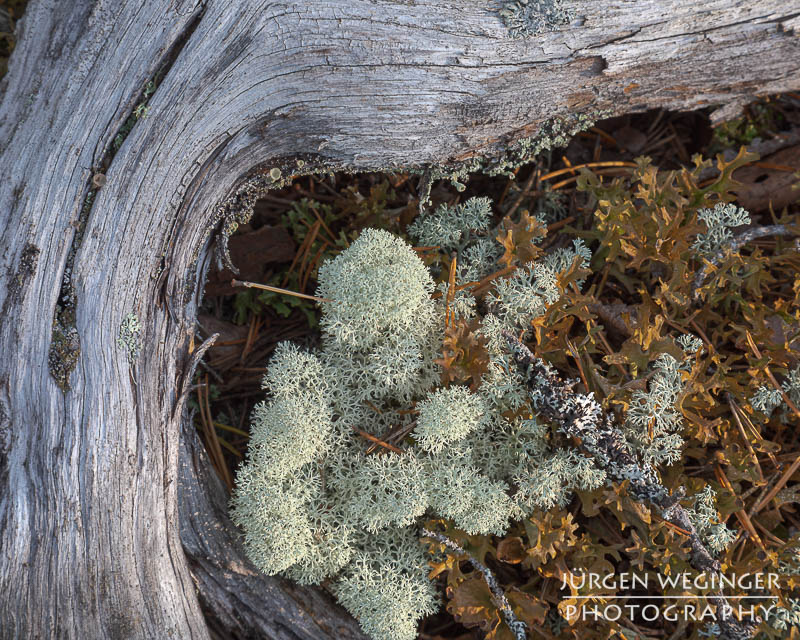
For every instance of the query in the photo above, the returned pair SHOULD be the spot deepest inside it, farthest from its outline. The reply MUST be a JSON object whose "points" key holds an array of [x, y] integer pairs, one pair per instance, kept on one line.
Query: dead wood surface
{"points": [[89, 503]]}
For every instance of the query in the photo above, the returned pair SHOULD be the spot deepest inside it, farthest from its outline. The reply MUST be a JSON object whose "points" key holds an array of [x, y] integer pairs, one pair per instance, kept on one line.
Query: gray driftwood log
{"points": [[98, 483]]}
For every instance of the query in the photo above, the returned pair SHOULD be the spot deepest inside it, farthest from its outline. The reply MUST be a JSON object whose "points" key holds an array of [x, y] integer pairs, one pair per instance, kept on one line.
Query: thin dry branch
{"points": [[518, 628]]}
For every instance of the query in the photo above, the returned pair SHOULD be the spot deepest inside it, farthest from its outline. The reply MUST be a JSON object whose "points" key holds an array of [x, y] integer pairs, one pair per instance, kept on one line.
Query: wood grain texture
{"points": [[89, 526]]}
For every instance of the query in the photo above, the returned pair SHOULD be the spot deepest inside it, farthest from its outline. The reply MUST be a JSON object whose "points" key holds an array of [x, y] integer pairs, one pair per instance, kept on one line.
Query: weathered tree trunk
{"points": [[92, 453]]}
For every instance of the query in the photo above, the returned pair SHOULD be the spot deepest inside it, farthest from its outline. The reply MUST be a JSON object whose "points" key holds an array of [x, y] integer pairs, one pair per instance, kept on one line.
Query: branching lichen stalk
{"points": [[517, 627]]}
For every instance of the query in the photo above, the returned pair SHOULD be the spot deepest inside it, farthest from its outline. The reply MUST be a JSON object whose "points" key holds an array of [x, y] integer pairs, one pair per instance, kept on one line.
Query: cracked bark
{"points": [[91, 514]]}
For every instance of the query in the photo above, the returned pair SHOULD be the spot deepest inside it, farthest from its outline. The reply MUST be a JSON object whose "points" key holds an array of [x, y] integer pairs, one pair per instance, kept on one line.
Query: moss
{"points": [[139, 112], [26, 267], [65, 348], [65, 344], [760, 120]]}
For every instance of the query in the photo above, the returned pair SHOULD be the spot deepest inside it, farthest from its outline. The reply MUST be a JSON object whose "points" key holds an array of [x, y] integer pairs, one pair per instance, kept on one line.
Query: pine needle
{"points": [[288, 292]]}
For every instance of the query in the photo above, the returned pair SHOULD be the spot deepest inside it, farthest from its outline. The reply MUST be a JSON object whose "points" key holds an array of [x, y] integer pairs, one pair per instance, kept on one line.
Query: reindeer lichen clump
{"points": [[361, 440], [314, 504]]}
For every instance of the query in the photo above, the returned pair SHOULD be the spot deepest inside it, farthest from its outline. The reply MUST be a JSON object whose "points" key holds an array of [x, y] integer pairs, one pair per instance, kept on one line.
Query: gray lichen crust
{"points": [[553, 133], [526, 18]]}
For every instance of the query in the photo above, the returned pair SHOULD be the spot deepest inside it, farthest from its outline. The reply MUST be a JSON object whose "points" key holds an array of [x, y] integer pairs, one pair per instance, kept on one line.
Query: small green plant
{"points": [[139, 112], [254, 301], [759, 120]]}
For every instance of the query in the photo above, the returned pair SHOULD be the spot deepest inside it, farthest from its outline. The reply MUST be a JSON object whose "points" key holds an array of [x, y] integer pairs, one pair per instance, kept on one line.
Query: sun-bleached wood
{"points": [[89, 503]]}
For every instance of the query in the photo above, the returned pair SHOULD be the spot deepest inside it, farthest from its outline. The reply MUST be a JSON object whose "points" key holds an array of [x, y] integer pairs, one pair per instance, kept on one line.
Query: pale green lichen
{"points": [[529, 291], [690, 344], [653, 421], [767, 399], [381, 491], [377, 289], [719, 222], [706, 520], [462, 304], [447, 416], [386, 587], [556, 476], [458, 490], [128, 338], [451, 226], [781, 618], [462, 231]]}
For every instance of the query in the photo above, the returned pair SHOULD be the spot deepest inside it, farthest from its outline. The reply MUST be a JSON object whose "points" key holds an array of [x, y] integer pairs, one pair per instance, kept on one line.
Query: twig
{"points": [[451, 293], [312, 236], [266, 287], [487, 281], [394, 435], [735, 245], [377, 441], [322, 222], [771, 377], [741, 514], [525, 192], [580, 416], [186, 383], [297, 255], [587, 165], [560, 223], [518, 628], [778, 485], [735, 411], [212, 440]]}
